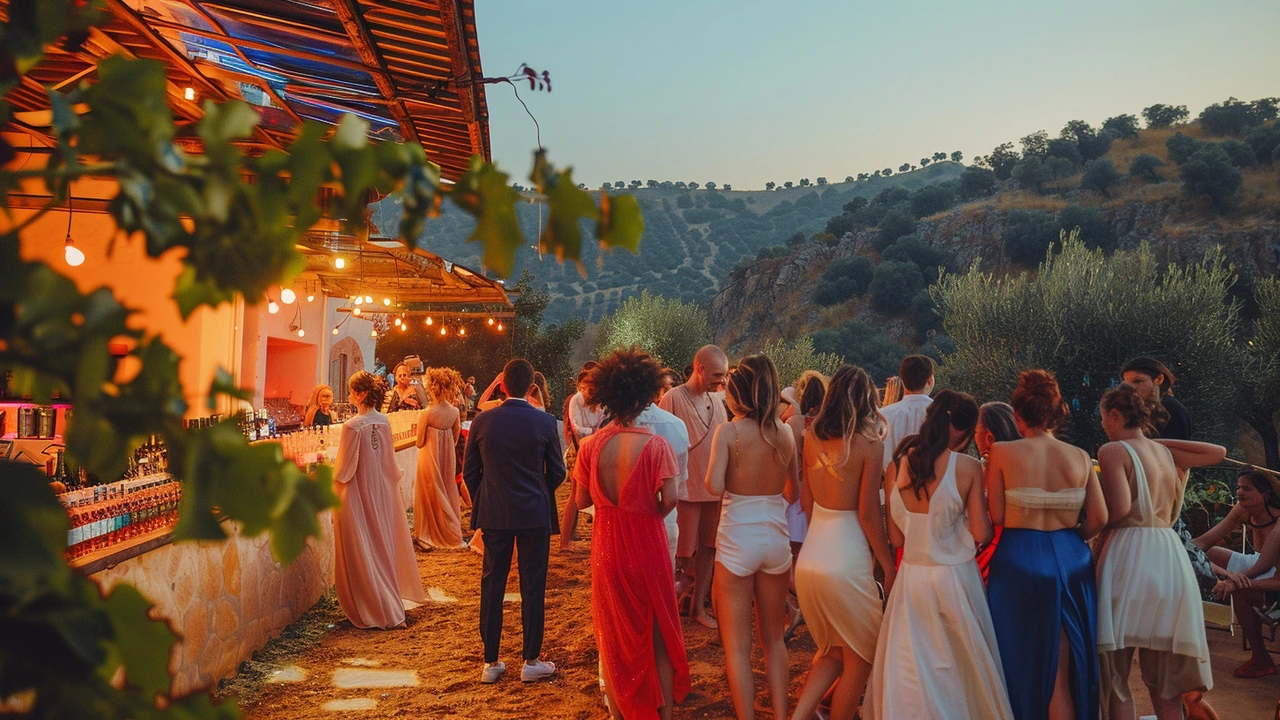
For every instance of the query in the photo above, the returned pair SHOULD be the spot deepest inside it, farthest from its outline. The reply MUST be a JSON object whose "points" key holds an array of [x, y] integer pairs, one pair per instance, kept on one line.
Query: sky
{"points": [[748, 92]]}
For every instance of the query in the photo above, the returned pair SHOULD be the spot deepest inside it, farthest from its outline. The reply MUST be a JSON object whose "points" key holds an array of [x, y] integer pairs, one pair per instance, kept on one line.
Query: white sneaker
{"points": [[537, 670], [492, 671]]}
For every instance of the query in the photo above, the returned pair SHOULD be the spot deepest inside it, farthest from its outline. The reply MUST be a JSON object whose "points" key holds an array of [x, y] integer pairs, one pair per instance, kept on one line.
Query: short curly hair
{"points": [[623, 384], [443, 383]]}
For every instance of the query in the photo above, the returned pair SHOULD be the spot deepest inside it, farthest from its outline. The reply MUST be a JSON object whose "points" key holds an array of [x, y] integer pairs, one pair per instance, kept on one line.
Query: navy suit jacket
{"points": [[512, 467]]}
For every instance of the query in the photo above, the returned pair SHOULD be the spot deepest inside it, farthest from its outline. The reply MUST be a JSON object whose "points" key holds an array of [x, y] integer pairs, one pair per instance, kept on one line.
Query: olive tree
{"points": [[670, 330]]}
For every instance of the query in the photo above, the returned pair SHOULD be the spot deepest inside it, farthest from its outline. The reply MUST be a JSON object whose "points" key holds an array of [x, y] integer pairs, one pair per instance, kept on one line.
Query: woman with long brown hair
{"points": [[937, 615], [843, 460], [1042, 591], [753, 463]]}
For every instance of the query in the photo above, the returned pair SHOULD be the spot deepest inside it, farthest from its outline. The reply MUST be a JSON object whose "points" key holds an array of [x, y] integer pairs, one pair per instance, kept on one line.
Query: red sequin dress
{"points": [[632, 586]]}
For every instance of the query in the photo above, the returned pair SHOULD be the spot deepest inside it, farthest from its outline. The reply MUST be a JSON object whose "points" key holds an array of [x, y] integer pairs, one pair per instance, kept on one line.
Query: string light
{"points": [[356, 312], [369, 299], [359, 300], [499, 327], [302, 333], [373, 333], [339, 262], [335, 330], [311, 297], [272, 307], [429, 321], [72, 254], [491, 321], [444, 330], [386, 302], [287, 296], [462, 331], [397, 322]]}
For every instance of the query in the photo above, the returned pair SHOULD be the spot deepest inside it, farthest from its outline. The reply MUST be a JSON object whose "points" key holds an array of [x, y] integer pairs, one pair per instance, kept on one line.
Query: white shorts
{"points": [[1240, 562]]}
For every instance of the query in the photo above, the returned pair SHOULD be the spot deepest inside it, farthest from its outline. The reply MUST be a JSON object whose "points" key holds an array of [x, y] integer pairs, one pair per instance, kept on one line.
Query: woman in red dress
{"points": [[629, 474]]}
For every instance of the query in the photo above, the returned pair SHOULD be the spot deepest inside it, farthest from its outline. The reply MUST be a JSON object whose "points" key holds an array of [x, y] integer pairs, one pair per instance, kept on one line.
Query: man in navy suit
{"points": [[512, 468]]}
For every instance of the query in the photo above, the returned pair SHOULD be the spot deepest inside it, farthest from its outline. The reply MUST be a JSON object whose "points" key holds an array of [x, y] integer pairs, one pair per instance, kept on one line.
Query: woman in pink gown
{"points": [[629, 474], [437, 513], [375, 571]]}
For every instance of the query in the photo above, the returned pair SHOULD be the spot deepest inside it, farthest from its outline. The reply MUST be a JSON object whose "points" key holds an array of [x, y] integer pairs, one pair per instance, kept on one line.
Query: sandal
{"points": [[1252, 670]]}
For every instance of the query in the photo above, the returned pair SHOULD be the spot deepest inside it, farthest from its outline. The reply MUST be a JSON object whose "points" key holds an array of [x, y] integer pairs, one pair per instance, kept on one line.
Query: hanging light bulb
{"points": [[272, 307], [444, 330], [429, 320], [397, 322], [359, 300], [462, 331], [73, 254], [356, 312], [189, 93], [302, 333], [287, 296], [491, 321], [311, 298], [499, 327], [404, 326], [339, 262], [386, 302], [373, 333], [335, 331], [368, 299]]}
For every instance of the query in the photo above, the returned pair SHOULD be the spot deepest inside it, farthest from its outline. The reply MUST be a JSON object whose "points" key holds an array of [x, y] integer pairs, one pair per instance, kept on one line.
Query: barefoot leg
{"points": [[569, 522], [734, 600], [822, 676], [771, 609], [1062, 706], [666, 675], [848, 691], [705, 562], [1250, 624]]}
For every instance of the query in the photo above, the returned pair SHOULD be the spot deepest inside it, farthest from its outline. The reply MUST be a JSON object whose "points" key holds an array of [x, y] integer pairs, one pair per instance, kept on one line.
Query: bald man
{"points": [[699, 403]]}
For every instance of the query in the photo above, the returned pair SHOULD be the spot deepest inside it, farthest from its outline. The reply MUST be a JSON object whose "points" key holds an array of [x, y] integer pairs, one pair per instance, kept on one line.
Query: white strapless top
{"points": [[1040, 499]]}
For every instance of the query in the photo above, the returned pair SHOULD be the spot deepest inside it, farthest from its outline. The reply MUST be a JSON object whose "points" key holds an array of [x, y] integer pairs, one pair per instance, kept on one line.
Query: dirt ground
{"points": [[300, 673], [442, 644]]}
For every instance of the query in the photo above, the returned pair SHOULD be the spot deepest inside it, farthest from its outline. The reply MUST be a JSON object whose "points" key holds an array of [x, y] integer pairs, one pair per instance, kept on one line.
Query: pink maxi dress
{"points": [[632, 585], [375, 572], [437, 509]]}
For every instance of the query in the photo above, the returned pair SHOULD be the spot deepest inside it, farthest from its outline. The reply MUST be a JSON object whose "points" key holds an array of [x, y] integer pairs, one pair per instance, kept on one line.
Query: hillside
{"points": [[823, 289], [692, 239]]}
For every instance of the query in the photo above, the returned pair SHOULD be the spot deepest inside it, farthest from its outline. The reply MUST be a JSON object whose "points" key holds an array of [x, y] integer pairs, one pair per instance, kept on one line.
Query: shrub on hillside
{"points": [[894, 225], [670, 330], [1264, 140], [1059, 168], [1002, 160], [910, 248], [796, 238], [864, 346], [843, 279], [684, 202], [1066, 149], [1100, 175], [1027, 236], [1160, 115], [890, 197], [976, 182], [1233, 117], [1210, 173], [1094, 230], [770, 253], [1240, 153], [1122, 126], [1181, 147], [894, 284], [933, 199], [928, 318], [1031, 173], [1145, 167]]}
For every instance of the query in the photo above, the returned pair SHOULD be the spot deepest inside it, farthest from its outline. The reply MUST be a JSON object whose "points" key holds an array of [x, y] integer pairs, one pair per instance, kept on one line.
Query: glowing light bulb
{"points": [[368, 299], [490, 321], [443, 330], [359, 300], [302, 333], [335, 331], [73, 254], [499, 327], [339, 263], [189, 93], [404, 326], [429, 320], [356, 312], [386, 302], [373, 333], [287, 296], [272, 307], [311, 298], [462, 331], [397, 322]]}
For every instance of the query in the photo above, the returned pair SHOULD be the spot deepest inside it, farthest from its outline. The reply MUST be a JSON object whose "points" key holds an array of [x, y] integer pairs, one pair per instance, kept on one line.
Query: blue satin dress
{"points": [[1042, 583]]}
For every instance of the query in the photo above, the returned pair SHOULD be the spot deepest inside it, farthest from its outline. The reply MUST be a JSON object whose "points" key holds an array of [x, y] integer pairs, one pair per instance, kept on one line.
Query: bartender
{"points": [[405, 395]]}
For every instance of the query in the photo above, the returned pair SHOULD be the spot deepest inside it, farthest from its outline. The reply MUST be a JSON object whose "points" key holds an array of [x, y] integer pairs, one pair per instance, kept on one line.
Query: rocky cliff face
{"points": [[771, 299]]}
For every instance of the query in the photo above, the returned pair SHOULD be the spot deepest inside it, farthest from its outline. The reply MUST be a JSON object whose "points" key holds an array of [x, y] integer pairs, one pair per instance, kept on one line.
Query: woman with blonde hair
{"points": [[843, 460], [437, 517], [753, 464], [374, 569], [318, 407]]}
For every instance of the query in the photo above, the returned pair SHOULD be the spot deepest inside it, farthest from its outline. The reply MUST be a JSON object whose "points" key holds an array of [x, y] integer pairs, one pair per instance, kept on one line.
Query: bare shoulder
{"points": [[968, 464]]}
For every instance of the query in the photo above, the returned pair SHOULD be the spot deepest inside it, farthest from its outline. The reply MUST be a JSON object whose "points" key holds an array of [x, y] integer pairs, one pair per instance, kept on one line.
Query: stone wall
{"points": [[225, 599]]}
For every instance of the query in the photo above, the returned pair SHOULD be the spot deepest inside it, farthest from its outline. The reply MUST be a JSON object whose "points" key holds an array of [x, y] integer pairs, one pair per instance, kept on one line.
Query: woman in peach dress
{"points": [[437, 515], [374, 567]]}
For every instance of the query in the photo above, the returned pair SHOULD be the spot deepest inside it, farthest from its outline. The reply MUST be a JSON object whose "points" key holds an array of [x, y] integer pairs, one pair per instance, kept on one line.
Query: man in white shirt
{"points": [[672, 429], [905, 417]]}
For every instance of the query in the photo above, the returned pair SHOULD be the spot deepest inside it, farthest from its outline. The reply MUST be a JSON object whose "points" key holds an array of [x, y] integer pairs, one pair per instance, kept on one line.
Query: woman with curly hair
{"points": [[629, 474], [754, 466], [1041, 590], [437, 516], [375, 572]]}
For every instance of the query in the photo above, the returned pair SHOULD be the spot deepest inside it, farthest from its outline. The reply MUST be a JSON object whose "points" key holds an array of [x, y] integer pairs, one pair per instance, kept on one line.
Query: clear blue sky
{"points": [[746, 92]]}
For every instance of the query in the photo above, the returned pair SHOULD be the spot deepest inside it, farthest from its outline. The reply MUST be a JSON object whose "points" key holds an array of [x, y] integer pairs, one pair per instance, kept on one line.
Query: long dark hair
{"points": [[849, 406], [949, 409], [753, 393], [997, 417]]}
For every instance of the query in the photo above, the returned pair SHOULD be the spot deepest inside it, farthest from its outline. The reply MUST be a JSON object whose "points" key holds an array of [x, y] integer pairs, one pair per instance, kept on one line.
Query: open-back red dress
{"points": [[632, 586]]}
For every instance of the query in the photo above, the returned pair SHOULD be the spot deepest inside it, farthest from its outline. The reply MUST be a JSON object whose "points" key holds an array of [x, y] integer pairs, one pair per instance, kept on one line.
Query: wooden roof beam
{"points": [[467, 87], [358, 31]]}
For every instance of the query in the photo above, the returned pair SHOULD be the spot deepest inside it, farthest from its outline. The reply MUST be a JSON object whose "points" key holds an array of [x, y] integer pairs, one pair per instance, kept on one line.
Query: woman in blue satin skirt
{"points": [[1042, 590]]}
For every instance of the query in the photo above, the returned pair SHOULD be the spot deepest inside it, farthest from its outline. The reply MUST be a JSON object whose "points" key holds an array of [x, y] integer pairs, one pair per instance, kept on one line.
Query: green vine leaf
{"points": [[484, 193], [141, 644]]}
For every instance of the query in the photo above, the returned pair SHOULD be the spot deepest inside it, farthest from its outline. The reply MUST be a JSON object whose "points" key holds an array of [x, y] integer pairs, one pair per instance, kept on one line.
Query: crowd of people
{"points": [[1017, 582]]}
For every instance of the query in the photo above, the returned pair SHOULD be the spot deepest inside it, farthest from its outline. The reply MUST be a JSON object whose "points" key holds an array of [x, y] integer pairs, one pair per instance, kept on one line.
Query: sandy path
{"points": [[441, 644]]}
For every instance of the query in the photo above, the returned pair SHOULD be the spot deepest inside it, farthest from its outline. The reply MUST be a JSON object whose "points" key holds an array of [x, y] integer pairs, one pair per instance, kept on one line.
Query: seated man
{"points": [[1247, 577]]}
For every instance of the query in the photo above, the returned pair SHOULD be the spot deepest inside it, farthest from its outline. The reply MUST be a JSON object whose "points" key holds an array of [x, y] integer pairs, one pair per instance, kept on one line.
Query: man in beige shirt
{"points": [[699, 403]]}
